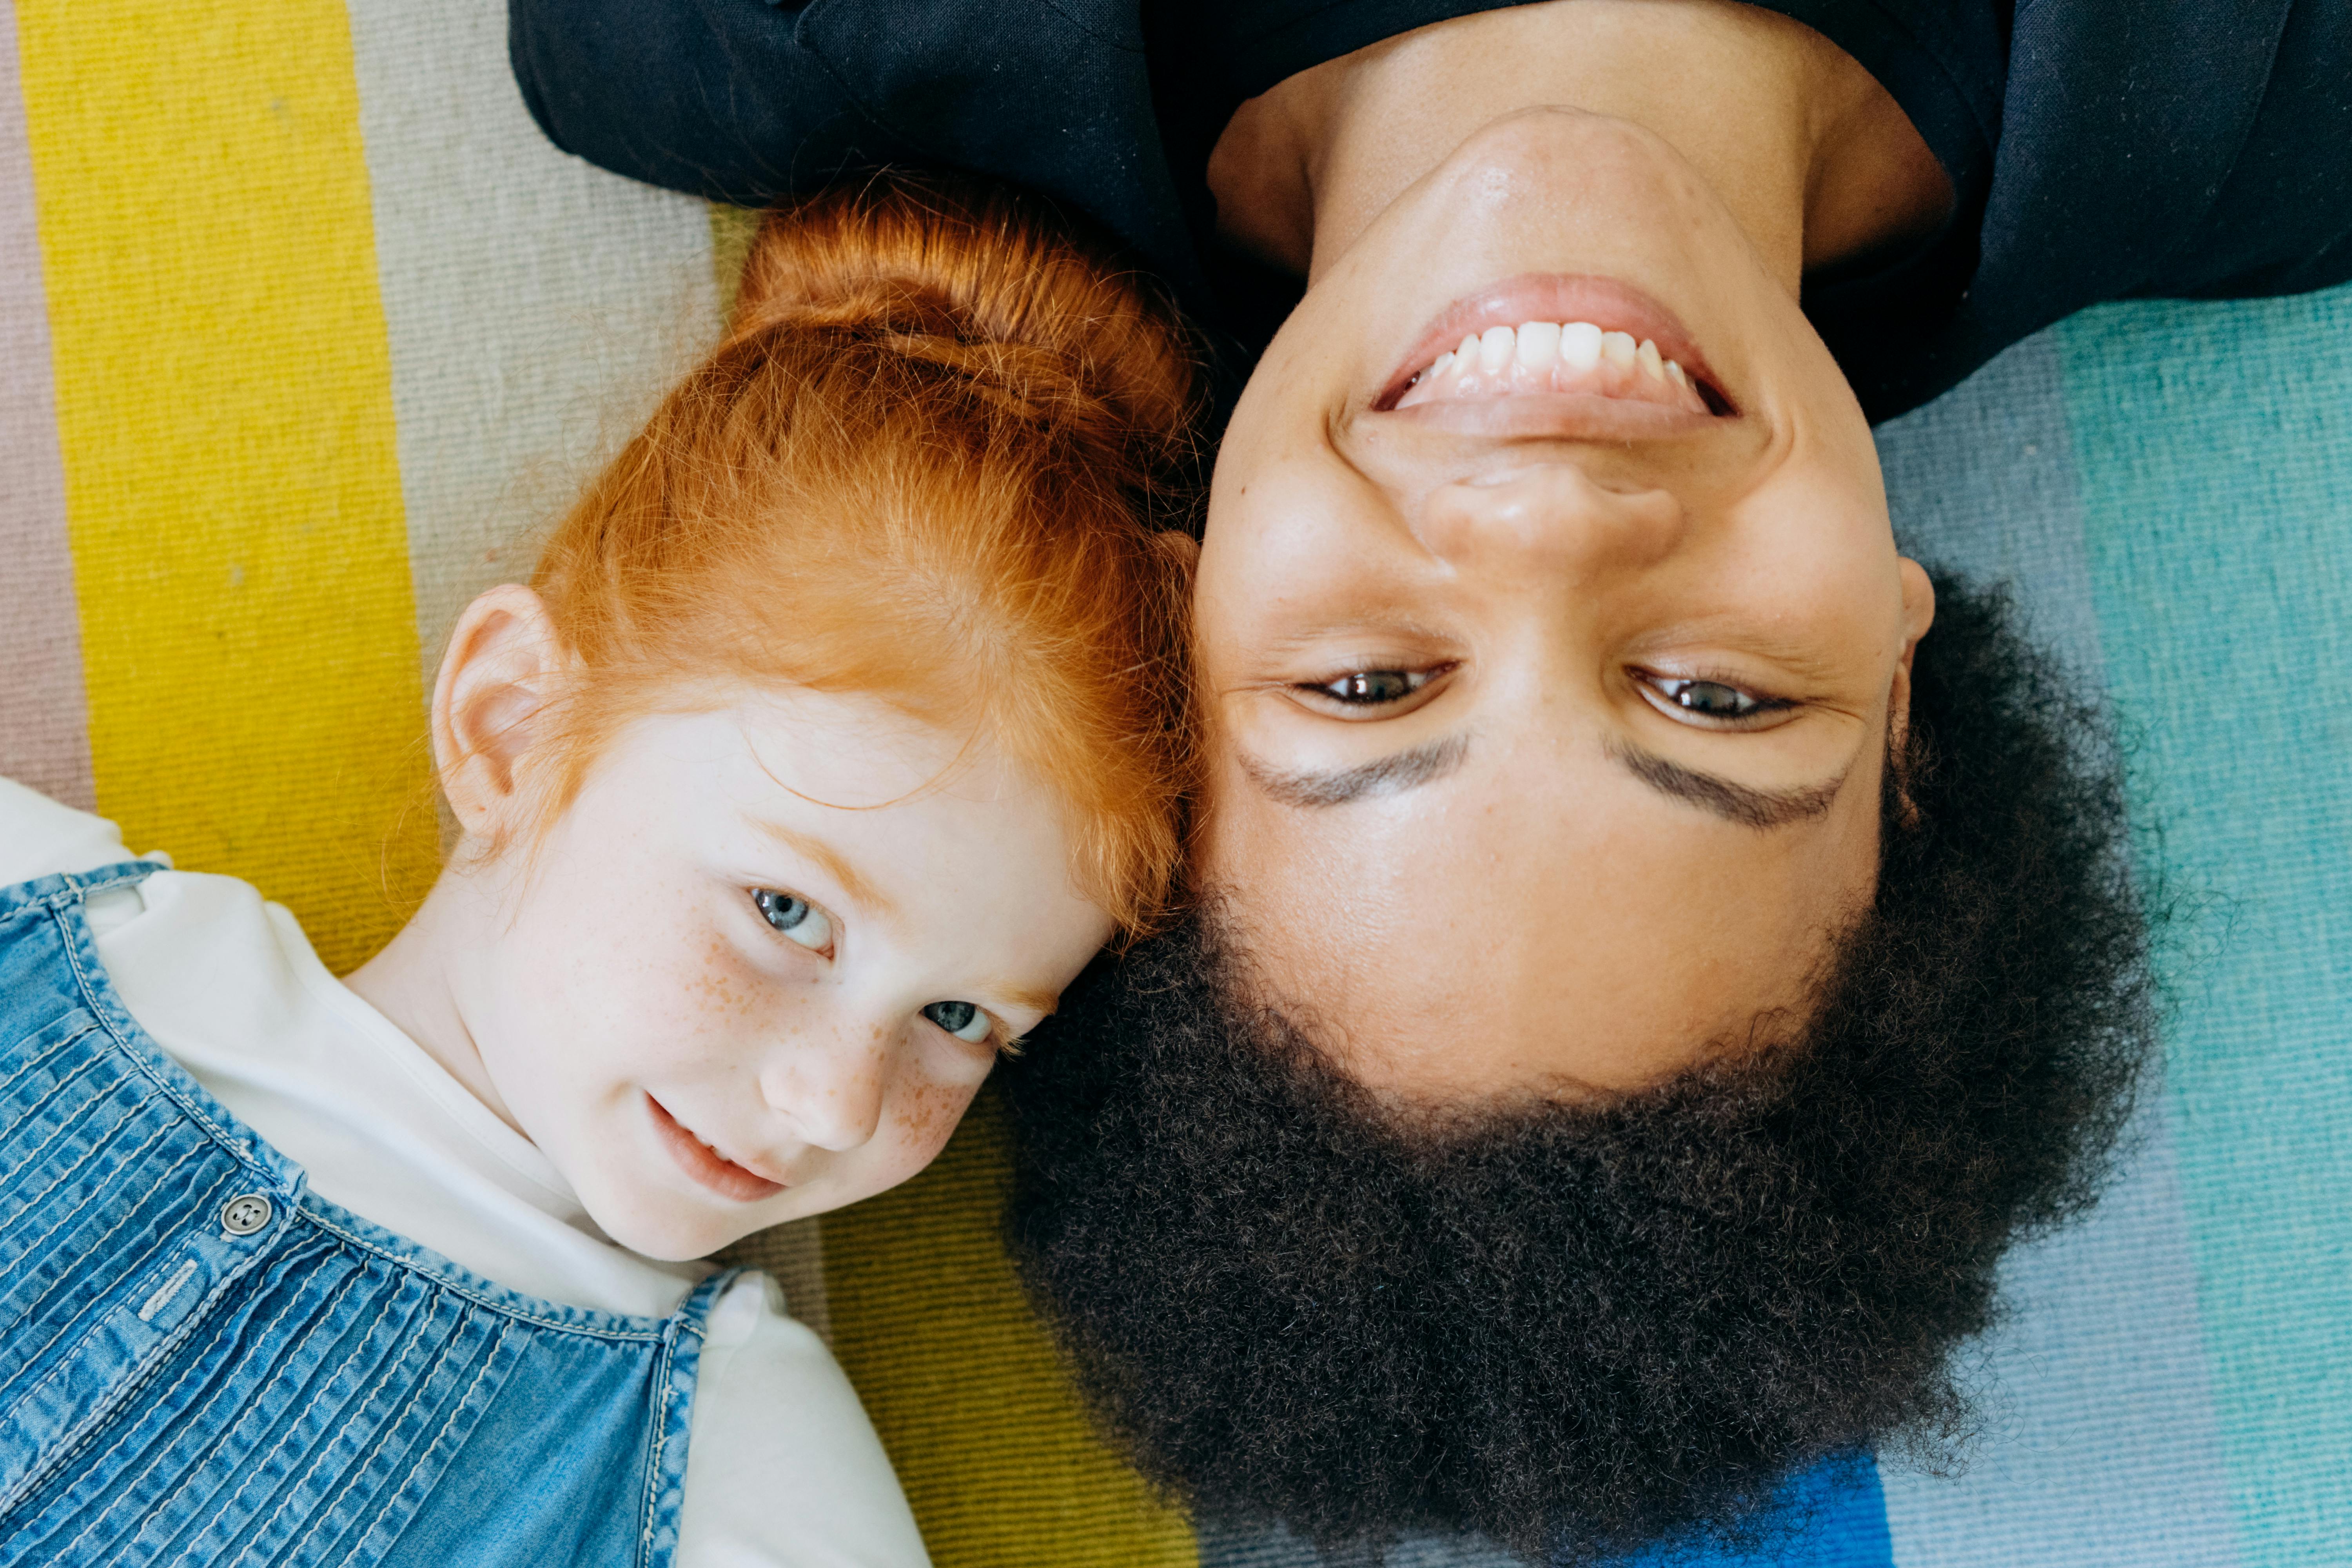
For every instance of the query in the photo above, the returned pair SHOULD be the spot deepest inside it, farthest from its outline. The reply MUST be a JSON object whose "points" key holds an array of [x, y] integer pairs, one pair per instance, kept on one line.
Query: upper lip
{"points": [[1559, 297], [759, 1168]]}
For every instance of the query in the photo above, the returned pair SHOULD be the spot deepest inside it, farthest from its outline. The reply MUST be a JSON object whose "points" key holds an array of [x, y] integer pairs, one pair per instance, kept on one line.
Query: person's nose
{"points": [[1553, 520], [830, 1084]]}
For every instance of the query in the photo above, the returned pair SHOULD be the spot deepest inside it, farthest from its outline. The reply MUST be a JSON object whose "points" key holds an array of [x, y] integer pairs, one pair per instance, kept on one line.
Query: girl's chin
{"points": [[668, 1233]]}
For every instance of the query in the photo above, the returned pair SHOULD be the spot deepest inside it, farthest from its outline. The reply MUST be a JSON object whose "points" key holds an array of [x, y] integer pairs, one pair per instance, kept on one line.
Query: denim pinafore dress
{"points": [[203, 1363]]}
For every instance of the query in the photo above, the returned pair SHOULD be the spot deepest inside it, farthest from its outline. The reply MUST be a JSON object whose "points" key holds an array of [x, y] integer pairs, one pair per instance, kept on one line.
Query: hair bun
{"points": [[993, 284]]}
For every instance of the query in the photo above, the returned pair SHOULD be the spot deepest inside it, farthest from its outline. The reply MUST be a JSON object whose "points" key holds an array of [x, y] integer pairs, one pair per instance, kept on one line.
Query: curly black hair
{"points": [[1574, 1328]]}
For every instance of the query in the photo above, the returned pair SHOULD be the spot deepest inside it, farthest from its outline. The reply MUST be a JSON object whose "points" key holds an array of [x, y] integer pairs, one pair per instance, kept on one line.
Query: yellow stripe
{"points": [[961, 1381], [732, 230], [225, 411]]}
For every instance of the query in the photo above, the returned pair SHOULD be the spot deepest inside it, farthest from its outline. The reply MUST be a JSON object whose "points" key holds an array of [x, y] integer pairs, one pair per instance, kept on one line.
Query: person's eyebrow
{"points": [[1758, 809], [1382, 775], [851, 880], [1028, 998]]}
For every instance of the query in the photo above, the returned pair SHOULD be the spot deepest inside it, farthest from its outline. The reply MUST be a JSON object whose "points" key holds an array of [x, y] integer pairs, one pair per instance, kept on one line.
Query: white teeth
{"points": [[1538, 344], [1495, 346], [1579, 345]]}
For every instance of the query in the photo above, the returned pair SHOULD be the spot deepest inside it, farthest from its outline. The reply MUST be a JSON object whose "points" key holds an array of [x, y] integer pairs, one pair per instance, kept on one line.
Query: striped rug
{"points": [[304, 331]]}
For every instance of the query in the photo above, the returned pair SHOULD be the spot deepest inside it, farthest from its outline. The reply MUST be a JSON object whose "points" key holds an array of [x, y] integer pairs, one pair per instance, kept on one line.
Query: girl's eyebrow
{"points": [[1028, 998], [851, 880]]}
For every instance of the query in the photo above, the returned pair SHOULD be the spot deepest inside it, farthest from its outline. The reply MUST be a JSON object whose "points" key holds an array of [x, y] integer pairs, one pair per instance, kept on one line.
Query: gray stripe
{"points": [[1257, 1546], [44, 718], [535, 306]]}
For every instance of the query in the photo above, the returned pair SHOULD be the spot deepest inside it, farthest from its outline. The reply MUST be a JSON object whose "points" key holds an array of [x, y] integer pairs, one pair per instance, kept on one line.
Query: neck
{"points": [[1815, 160], [414, 981]]}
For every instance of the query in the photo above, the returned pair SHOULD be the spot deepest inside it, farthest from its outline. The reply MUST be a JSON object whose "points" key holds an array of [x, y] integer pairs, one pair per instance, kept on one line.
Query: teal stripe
{"points": [[2101, 1446], [2214, 445]]}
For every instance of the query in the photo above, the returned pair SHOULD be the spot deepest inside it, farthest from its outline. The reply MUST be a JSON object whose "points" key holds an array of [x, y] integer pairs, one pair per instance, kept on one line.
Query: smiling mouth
{"points": [[1573, 357], [1579, 340], [706, 1164]]}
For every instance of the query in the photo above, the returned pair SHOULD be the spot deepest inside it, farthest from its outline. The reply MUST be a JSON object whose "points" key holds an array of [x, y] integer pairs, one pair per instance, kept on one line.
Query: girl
{"points": [[840, 725]]}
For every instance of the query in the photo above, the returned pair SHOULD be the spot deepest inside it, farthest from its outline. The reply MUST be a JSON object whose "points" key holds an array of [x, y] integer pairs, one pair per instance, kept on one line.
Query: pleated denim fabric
{"points": [[202, 1362]]}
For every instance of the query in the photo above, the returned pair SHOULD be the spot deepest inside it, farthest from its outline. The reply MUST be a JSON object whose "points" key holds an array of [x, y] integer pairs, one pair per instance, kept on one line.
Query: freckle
{"points": [[928, 1113]]}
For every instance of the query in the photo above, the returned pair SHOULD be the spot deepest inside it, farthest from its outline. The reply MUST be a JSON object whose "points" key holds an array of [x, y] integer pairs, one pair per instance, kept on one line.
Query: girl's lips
{"points": [[1612, 306], [705, 1164]]}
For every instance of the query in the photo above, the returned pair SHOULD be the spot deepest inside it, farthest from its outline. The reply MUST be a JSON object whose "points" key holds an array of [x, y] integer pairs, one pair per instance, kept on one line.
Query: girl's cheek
{"points": [[924, 1111], [688, 997], [719, 993]]}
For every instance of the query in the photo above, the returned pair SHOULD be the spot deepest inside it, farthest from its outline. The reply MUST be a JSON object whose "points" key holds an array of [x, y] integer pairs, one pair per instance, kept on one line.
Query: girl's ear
{"points": [[500, 667]]}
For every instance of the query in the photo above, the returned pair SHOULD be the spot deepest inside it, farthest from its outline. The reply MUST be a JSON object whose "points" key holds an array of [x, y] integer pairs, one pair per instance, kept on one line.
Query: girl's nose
{"points": [[831, 1087], [1551, 519]]}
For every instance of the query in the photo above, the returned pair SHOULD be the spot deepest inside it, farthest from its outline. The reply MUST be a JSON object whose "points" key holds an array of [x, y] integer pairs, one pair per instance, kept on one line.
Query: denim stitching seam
{"points": [[95, 1418], [104, 1013], [125, 1483], [408, 1483], [80, 1165], [9, 1083], [36, 1304], [288, 1425], [458, 1288], [412, 1349], [44, 1103]]}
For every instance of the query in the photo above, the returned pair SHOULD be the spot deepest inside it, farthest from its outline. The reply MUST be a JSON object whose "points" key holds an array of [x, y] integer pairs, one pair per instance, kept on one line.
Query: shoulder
{"points": [[747, 102], [717, 97], [783, 1467], [41, 837]]}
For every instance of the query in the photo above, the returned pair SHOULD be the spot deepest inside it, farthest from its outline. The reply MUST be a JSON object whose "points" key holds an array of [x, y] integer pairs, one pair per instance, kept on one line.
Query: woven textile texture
{"points": [[304, 331]]}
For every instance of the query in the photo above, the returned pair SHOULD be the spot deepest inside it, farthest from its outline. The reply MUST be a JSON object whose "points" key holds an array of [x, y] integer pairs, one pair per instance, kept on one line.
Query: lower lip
{"points": [[724, 1177]]}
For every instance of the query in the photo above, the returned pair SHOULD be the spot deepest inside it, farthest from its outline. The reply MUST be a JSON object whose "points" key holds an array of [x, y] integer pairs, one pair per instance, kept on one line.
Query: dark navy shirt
{"points": [[2098, 149]]}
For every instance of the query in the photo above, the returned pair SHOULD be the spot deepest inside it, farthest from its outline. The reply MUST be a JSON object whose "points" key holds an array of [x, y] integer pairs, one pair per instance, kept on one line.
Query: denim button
{"points": [[244, 1215]]}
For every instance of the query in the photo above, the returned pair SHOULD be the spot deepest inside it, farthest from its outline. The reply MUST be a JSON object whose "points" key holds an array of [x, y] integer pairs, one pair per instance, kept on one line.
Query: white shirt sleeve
{"points": [[39, 837], [782, 1468]]}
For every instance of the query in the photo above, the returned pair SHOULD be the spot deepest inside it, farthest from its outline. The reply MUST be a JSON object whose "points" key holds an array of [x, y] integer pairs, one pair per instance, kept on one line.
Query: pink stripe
{"points": [[44, 734]]}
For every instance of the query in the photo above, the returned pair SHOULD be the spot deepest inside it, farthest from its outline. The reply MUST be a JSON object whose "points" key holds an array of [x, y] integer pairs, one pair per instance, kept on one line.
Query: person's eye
{"points": [[1710, 702], [961, 1020], [1362, 693], [798, 919]]}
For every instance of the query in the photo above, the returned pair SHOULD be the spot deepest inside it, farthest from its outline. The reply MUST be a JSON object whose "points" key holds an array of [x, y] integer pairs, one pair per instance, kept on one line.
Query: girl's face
{"points": [[760, 966]]}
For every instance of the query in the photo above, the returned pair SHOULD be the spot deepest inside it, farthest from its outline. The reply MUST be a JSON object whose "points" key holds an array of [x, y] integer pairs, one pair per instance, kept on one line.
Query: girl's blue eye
{"points": [[961, 1020], [798, 919]]}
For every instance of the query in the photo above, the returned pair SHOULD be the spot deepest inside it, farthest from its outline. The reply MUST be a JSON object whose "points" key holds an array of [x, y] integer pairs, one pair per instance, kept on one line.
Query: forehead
{"points": [[910, 805], [1510, 926]]}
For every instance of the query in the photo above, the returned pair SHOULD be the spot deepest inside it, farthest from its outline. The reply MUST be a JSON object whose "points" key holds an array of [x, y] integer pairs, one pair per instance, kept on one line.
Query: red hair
{"points": [[924, 465]]}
